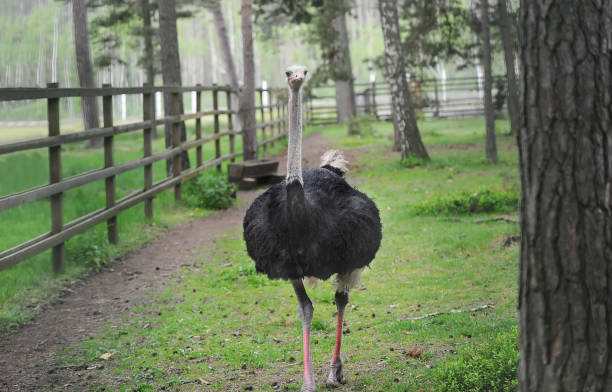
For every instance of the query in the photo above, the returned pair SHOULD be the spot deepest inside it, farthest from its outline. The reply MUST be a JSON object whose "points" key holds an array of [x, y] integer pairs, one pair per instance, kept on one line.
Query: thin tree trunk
{"points": [[149, 54], [411, 144], [89, 105], [247, 95], [226, 53], [171, 71], [342, 71], [565, 145], [491, 146], [505, 26]]}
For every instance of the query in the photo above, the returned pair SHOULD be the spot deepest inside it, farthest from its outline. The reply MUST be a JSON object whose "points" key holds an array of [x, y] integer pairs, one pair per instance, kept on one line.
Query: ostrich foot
{"points": [[336, 374]]}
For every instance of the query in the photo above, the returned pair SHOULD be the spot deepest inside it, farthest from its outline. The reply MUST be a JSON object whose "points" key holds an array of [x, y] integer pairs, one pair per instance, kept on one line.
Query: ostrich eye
{"points": [[288, 73], [305, 72]]}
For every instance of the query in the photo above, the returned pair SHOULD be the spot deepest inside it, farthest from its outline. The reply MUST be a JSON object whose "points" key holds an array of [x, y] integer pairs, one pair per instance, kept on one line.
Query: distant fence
{"points": [[272, 126], [455, 97]]}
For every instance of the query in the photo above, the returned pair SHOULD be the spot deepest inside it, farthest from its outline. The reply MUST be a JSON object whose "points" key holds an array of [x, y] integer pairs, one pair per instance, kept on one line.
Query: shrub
{"points": [[209, 190], [362, 125], [489, 366], [482, 200]]}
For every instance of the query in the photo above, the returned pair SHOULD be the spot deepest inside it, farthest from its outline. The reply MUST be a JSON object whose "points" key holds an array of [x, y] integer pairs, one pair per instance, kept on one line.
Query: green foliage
{"points": [[413, 161], [489, 366], [209, 190], [467, 202], [362, 125]]}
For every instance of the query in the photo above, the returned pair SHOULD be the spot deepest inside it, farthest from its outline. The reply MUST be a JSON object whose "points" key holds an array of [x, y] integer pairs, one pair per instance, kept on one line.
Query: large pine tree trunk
{"points": [[171, 71], [404, 116], [565, 145], [89, 105], [506, 29], [247, 95], [491, 145], [342, 71]]}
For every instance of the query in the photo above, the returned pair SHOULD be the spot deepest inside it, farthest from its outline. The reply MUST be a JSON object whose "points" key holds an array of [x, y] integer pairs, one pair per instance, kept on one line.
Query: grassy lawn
{"points": [[220, 326], [26, 287]]}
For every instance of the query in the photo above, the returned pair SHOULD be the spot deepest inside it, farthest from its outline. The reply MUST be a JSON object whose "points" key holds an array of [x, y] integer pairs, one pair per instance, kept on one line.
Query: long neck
{"points": [[294, 153]]}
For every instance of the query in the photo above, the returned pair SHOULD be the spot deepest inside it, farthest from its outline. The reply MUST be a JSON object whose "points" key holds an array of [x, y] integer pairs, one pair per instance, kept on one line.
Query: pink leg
{"points": [[336, 372], [305, 311], [309, 384]]}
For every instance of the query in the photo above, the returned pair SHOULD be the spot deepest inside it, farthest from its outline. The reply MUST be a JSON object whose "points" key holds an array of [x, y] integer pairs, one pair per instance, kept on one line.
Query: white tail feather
{"points": [[334, 158]]}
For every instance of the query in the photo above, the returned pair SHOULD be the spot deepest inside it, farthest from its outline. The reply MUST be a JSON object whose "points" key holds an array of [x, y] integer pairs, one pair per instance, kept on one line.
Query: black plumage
{"points": [[322, 228]]}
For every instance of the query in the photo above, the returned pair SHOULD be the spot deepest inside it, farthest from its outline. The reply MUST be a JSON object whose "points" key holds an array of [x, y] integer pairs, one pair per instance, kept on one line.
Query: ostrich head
{"points": [[295, 76]]}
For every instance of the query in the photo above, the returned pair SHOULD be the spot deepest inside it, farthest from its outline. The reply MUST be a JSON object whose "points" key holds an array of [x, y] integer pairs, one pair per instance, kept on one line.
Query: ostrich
{"points": [[312, 225]]}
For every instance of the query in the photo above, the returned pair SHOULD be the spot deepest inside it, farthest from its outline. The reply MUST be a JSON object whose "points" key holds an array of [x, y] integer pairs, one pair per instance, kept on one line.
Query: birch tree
{"points": [[404, 116]]}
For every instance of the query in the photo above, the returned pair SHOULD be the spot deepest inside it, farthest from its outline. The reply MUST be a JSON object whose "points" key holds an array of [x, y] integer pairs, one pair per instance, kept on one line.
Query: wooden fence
{"points": [[272, 126], [456, 97]]}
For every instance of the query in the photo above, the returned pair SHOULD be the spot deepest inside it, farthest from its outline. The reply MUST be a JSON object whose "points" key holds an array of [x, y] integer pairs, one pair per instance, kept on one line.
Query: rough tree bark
{"points": [[565, 145], [506, 28], [342, 71], [491, 145], [247, 95], [89, 105], [404, 116], [171, 71]]}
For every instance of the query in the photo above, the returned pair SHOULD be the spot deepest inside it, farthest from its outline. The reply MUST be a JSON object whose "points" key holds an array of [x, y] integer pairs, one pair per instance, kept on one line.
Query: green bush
{"points": [[362, 125], [482, 200], [209, 190], [489, 366]]}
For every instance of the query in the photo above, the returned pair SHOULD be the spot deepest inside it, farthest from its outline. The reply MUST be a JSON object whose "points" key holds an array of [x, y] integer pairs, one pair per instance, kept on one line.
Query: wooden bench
{"points": [[251, 174]]}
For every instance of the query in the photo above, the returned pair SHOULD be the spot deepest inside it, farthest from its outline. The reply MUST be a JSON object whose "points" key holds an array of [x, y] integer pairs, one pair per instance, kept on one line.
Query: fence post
{"points": [[271, 115], [55, 175], [437, 112], [216, 122], [263, 120], [278, 116], [230, 124], [107, 109], [176, 143], [374, 99], [148, 114], [198, 126]]}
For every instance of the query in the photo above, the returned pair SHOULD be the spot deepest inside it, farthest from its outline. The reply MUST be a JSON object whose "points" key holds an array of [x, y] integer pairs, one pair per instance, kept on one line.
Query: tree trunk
{"points": [[171, 71], [411, 144], [226, 53], [149, 55], [89, 105], [505, 27], [342, 71], [247, 95], [565, 145], [491, 147]]}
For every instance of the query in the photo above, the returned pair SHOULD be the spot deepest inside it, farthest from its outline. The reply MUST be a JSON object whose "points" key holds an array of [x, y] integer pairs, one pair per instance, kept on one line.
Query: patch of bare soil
{"points": [[28, 356]]}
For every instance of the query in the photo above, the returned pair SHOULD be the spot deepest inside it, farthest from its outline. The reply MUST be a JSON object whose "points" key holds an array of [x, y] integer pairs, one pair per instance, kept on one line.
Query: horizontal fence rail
{"points": [[271, 127], [452, 97]]}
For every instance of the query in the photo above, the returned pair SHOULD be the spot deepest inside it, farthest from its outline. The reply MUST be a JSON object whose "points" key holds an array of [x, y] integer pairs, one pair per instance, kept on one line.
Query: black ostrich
{"points": [[313, 224]]}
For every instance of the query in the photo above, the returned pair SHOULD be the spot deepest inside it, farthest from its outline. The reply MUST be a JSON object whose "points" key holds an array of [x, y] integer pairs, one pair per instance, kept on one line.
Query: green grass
{"points": [[28, 286], [221, 322]]}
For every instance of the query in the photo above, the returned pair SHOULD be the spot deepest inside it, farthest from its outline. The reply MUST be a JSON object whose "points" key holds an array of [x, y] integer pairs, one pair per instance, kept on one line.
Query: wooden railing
{"points": [[457, 97], [272, 128]]}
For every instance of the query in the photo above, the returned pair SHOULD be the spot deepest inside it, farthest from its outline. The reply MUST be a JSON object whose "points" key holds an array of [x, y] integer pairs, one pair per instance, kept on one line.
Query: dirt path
{"points": [[28, 356]]}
